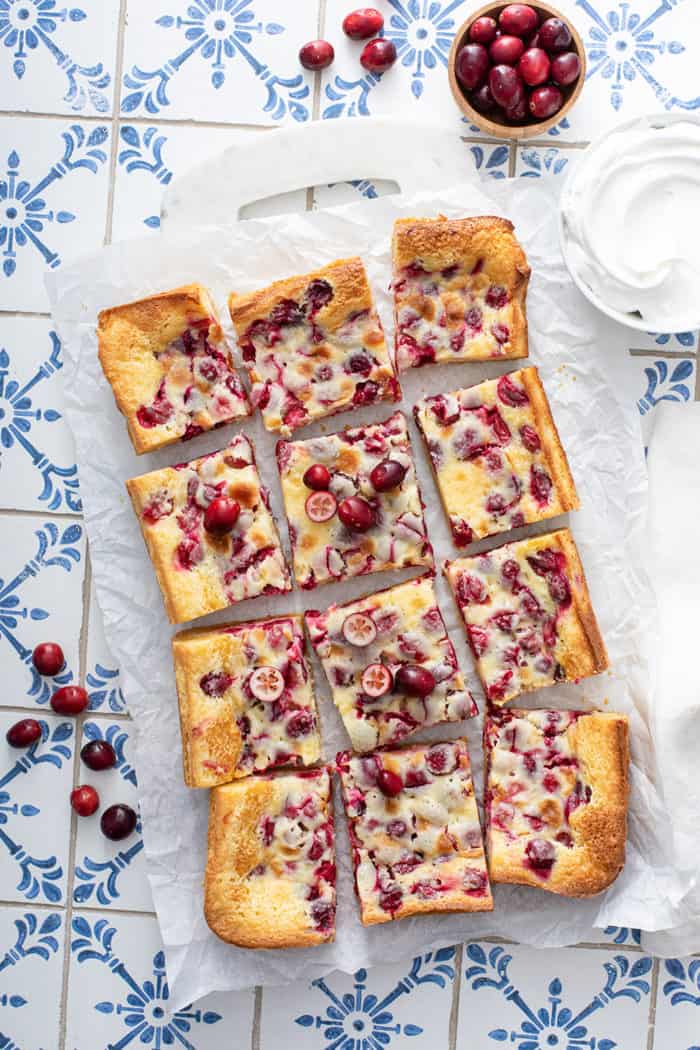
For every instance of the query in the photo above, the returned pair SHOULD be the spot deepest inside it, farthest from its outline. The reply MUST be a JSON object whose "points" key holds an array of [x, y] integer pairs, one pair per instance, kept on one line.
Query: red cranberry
{"points": [[516, 113], [389, 783], [534, 66], [70, 700], [414, 680], [566, 68], [118, 822], [84, 800], [48, 658], [472, 65], [505, 84], [356, 514], [519, 19], [23, 733], [506, 50], [530, 438], [317, 477], [511, 394], [98, 755], [545, 101], [482, 100], [555, 35], [387, 475], [378, 55], [363, 23], [318, 293], [541, 854], [441, 759], [483, 30], [221, 515], [317, 54]]}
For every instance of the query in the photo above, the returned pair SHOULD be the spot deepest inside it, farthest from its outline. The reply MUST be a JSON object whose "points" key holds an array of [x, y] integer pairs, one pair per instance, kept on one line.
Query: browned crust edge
{"points": [[584, 610], [551, 442]]}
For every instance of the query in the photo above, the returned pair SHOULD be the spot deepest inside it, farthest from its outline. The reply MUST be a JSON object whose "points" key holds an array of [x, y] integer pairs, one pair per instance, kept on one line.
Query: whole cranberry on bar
{"points": [[528, 615], [206, 561], [169, 367], [313, 346], [246, 699], [459, 291], [557, 786], [390, 665], [270, 875], [496, 456], [415, 832]]}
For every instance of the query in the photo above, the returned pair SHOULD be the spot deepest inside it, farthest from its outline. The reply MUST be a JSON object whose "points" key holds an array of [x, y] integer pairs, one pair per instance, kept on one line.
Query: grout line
{"points": [[257, 1014], [35, 711], [12, 513], [652, 1004], [671, 354], [89, 909], [512, 160], [456, 992], [91, 118], [23, 313], [118, 68]]}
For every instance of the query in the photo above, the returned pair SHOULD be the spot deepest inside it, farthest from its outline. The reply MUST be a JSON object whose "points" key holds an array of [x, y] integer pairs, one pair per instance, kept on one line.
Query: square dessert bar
{"points": [[246, 699], [169, 367], [528, 615], [496, 456], [353, 503], [314, 346], [557, 785], [390, 665], [459, 291], [209, 532], [414, 831], [270, 875]]}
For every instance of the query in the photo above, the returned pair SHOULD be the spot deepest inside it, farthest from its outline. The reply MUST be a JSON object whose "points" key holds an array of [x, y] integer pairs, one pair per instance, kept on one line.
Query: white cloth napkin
{"points": [[674, 528]]}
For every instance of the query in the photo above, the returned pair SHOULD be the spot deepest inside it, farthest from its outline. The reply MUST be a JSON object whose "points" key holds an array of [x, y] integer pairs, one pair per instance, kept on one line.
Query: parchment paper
{"points": [[589, 379]]}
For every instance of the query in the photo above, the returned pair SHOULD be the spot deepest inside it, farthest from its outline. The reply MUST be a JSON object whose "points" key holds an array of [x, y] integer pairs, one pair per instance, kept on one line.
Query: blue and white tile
{"points": [[32, 944], [665, 342], [37, 453], [53, 202], [102, 679], [150, 156], [625, 935], [663, 379], [532, 162], [218, 60], [554, 999], [118, 993], [385, 1006], [677, 1021], [41, 583], [35, 786], [110, 874], [58, 58]]}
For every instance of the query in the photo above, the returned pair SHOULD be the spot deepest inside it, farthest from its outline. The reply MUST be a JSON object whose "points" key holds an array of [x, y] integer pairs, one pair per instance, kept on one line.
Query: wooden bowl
{"points": [[515, 131]]}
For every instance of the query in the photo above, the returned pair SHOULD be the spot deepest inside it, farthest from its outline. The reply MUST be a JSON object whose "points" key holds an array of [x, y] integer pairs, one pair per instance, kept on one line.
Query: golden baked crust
{"points": [[557, 787], [459, 290], [227, 731], [169, 367], [409, 627], [325, 550], [199, 573], [528, 615], [313, 346], [270, 874], [496, 456], [415, 832]]}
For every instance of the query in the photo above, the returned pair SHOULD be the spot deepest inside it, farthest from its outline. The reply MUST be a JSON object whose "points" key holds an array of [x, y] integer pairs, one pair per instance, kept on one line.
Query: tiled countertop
{"points": [[102, 103]]}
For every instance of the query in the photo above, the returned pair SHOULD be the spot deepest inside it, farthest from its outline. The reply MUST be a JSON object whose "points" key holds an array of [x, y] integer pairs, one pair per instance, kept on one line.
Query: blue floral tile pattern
{"points": [[102, 679], [31, 957], [678, 1005], [667, 381]]}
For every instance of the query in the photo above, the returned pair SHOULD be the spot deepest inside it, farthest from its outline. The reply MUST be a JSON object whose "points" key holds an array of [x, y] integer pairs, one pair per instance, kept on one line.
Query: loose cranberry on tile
{"points": [[23, 733], [69, 700], [317, 54], [378, 55], [221, 515], [98, 755], [48, 658], [363, 23], [84, 800], [118, 822]]}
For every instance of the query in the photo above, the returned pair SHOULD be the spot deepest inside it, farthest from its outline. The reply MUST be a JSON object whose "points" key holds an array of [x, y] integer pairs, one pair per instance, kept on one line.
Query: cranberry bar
{"points": [[496, 456], [169, 367], [314, 346], [390, 665], [270, 875], [414, 832], [528, 615], [556, 799], [459, 291], [209, 532], [353, 503], [246, 699]]}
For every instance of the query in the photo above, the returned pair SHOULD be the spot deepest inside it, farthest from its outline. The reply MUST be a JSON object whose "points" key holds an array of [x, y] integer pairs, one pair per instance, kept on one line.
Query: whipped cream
{"points": [[632, 223]]}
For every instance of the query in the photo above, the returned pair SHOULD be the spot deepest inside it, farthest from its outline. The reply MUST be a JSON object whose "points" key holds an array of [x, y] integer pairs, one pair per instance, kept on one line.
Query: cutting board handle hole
{"points": [[319, 197]]}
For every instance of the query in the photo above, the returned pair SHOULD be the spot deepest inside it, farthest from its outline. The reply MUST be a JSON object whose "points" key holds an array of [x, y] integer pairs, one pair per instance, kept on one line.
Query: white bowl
{"points": [[631, 320]]}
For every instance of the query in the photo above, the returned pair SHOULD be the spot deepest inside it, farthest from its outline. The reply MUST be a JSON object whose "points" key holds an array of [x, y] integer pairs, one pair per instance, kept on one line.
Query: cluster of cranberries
{"points": [[377, 55], [514, 68], [354, 512], [117, 821]]}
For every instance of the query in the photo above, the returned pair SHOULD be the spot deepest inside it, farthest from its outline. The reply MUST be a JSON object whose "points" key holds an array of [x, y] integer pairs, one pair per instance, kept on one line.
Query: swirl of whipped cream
{"points": [[632, 222]]}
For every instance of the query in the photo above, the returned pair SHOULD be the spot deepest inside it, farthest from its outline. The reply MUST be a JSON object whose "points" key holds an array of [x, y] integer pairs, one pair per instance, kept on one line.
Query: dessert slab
{"points": [[585, 378]]}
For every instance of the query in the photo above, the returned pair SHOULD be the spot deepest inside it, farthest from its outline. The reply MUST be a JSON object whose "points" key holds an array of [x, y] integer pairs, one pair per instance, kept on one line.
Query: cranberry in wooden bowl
{"points": [[516, 69]]}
